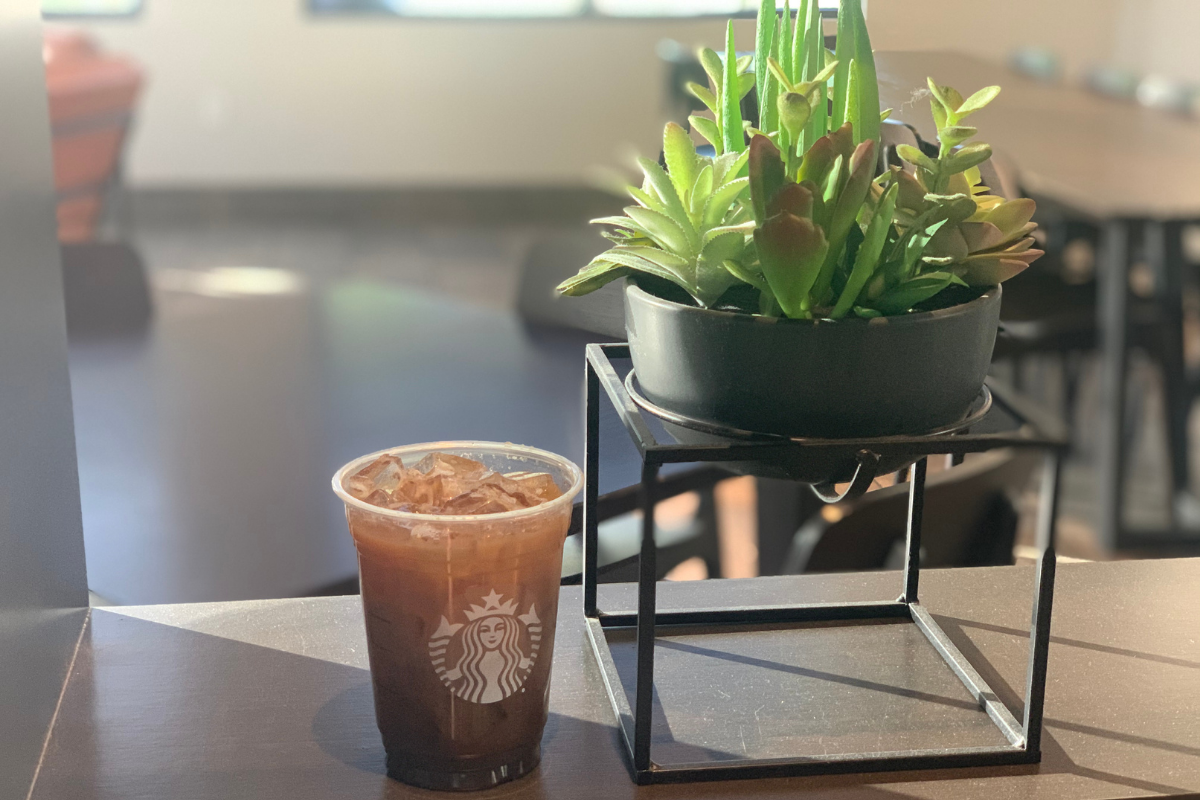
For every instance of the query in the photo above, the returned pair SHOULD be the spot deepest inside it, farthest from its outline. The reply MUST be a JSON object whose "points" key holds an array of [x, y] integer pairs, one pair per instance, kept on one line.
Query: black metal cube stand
{"points": [[1027, 428]]}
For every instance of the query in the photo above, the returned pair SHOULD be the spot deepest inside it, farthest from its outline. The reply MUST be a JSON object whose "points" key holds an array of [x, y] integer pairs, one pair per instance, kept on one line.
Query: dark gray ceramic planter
{"points": [[850, 378]]}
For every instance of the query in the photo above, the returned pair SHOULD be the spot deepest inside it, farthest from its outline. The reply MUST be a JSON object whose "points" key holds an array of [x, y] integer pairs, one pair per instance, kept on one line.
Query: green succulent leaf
{"points": [[978, 100], [665, 231], [682, 163], [915, 157], [867, 94], [702, 94], [721, 200], [714, 67], [913, 291], [971, 155], [781, 74], [592, 277], [701, 191], [954, 135], [866, 260], [767, 175], [663, 186], [732, 136], [745, 84], [708, 129], [755, 279], [764, 41], [791, 250]]}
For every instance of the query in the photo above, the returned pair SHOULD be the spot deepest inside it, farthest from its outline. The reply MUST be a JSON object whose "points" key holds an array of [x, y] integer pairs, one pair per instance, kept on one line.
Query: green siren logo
{"points": [[492, 653]]}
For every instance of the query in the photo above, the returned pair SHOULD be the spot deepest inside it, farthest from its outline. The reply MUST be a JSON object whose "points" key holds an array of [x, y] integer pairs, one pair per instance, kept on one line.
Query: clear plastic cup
{"points": [[460, 614]]}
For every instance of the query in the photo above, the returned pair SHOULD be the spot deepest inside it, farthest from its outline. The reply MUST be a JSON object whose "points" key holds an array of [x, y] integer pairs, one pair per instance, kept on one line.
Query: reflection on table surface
{"points": [[207, 440]]}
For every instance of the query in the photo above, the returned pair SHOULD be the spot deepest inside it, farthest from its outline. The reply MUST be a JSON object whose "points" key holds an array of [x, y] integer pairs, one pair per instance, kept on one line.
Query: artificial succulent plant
{"points": [[800, 215]]}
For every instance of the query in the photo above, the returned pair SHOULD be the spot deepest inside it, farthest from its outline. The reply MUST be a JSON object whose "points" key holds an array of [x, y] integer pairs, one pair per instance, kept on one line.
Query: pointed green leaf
{"points": [[708, 129], [913, 291], [714, 67], [849, 200], [799, 58], [783, 45], [745, 84], [621, 222], [731, 113], [767, 175], [665, 231], [964, 158], [846, 40], [764, 39], [737, 270], [663, 186], [701, 190], [682, 163], [702, 94], [648, 199], [719, 204], [954, 135], [978, 100], [915, 157], [867, 98], [866, 260], [780, 73], [592, 277]]}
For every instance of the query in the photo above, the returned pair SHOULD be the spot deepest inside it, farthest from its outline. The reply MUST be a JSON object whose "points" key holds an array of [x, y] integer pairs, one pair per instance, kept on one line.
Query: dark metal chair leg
{"points": [[1164, 250], [1113, 326]]}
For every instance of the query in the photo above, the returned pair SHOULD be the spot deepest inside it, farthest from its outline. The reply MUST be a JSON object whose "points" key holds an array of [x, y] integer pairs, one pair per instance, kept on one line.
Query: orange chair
{"points": [[92, 98]]}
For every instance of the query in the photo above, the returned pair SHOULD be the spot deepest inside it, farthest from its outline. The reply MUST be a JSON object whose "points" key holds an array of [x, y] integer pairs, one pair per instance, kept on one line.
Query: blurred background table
{"points": [[207, 436], [1133, 172]]}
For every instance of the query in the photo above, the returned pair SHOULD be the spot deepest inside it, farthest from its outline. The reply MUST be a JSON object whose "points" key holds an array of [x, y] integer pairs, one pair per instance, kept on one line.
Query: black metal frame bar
{"points": [[634, 724]]}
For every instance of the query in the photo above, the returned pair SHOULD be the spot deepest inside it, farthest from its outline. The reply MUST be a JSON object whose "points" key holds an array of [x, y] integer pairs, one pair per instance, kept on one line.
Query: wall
{"points": [[259, 93]]}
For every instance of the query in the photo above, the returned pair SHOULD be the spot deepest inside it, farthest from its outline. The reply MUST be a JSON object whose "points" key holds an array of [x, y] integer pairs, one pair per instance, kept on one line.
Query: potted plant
{"points": [[785, 284]]}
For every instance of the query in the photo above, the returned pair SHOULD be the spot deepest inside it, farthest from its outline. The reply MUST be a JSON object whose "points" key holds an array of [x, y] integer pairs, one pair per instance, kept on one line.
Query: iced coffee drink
{"points": [[459, 552]]}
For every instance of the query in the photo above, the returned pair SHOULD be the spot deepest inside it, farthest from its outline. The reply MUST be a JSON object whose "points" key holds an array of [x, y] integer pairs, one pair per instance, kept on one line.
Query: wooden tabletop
{"points": [[1100, 156], [272, 699]]}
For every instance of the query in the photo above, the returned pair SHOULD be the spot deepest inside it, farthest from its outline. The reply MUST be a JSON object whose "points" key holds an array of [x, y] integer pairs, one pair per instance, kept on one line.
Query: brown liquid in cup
{"points": [[460, 619]]}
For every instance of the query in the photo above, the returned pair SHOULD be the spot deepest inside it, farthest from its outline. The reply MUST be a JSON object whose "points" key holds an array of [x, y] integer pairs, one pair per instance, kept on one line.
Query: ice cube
{"points": [[487, 498], [537, 484], [382, 474]]}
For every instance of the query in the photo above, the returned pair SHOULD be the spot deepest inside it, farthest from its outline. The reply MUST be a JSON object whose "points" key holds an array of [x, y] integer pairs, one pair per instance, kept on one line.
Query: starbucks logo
{"points": [[488, 657]]}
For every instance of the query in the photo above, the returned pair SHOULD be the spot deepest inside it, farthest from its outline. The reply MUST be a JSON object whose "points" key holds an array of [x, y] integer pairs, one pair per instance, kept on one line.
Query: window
{"points": [[90, 8], [547, 8]]}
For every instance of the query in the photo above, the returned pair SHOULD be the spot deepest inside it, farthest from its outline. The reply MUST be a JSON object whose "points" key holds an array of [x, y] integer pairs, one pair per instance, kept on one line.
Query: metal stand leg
{"points": [[647, 589], [916, 509], [1112, 323], [591, 475], [1043, 600]]}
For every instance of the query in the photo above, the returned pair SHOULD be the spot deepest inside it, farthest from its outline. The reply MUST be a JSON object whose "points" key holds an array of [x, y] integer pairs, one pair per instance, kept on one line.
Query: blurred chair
{"points": [[104, 290], [550, 261], [91, 97], [1037, 63], [969, 521]]}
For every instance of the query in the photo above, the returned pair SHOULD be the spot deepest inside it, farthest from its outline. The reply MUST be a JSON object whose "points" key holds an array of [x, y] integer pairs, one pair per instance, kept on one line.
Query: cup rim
{"points": [[567, 466]]}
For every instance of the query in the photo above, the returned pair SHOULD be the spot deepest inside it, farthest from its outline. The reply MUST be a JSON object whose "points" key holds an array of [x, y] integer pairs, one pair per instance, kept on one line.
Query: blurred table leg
{"points": [[1113, 278]]}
